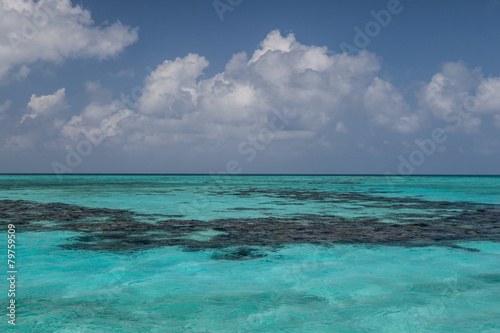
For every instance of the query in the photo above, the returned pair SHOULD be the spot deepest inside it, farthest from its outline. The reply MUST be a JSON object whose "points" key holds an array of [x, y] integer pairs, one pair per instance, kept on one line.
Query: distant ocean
{"points": [[197, 253]]}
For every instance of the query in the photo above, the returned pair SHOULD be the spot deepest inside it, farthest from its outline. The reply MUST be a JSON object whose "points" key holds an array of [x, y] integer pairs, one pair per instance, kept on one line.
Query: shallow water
{"points": [[255, 253]]}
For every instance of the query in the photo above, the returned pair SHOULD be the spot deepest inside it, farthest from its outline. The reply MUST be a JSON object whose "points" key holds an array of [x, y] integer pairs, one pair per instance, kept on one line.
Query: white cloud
{"points": [[460, 92], [5, 106], [46, 105], [326, 92], [309, 81], [99, 130], [446, 89], [129, 72], [488, 94], [172, 84], [386, 106], [54, 30], [100, 118], [22, 73], [274, 42]]}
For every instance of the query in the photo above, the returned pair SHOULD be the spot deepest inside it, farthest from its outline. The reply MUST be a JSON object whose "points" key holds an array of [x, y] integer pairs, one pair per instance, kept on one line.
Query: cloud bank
{"points": [[327, 92], [336, 103]]}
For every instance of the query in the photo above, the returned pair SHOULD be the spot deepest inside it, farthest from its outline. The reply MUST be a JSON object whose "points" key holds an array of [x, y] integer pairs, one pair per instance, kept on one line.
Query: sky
{"points": [[241, 87]]}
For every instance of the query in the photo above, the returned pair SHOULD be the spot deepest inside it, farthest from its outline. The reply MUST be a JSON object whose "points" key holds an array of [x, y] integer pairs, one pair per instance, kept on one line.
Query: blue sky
{"points": [[240, 86]]}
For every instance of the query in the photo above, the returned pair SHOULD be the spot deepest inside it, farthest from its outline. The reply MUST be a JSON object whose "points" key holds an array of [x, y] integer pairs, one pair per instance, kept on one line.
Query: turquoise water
{"points": [[254, 253]]}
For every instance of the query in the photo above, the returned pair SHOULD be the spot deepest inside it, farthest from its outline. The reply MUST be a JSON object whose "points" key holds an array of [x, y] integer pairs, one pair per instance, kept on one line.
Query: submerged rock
{"points": [[241, 253]]}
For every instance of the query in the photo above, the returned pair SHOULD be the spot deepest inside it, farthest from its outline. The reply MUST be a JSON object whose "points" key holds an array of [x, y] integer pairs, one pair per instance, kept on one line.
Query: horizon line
{"points": [[235, 175]]}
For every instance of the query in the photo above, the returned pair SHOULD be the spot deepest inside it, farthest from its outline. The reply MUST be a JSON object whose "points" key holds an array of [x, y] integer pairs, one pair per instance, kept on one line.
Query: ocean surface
{"points": [[196, 253]]}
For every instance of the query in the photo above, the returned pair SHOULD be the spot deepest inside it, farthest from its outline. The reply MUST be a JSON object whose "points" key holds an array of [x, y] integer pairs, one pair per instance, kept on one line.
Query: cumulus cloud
{"points": [[99, 119], [54, 30], [387, 107], [316, 85], [332, 102], [96, 130], [464, 94], [323, 92], [46, 105], [448, 87], [488, 93], [5, 105], [172, 86]]}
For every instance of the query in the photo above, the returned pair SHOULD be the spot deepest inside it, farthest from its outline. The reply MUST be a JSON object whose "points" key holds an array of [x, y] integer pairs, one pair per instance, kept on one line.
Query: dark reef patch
{"points": [[342, 197], [241, 253], [239, 238]]}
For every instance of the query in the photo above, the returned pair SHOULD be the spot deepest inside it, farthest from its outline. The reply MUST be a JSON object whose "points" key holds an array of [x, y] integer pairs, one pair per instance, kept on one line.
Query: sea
{"points": [[251, 253]]}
